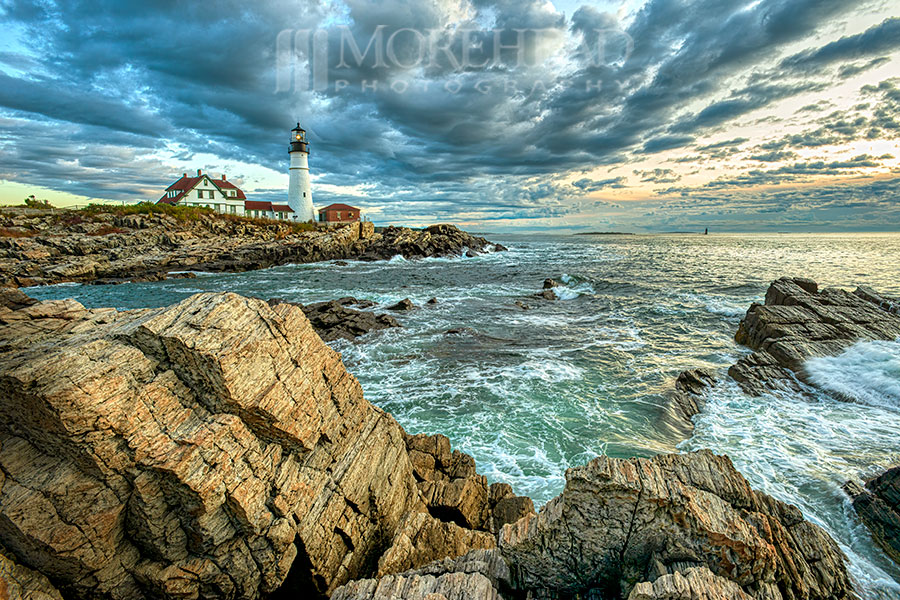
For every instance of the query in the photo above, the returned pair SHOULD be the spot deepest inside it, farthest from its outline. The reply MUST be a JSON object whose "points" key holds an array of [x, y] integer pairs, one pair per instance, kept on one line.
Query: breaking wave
{"points": [[867, 373]]}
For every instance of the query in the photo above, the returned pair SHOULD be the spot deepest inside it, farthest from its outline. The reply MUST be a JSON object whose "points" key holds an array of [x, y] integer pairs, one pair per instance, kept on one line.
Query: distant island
{"points": [[604, 233]]}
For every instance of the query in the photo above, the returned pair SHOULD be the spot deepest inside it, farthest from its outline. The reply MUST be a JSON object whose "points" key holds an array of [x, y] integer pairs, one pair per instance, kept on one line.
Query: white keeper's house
{"points": [[222, 196]]}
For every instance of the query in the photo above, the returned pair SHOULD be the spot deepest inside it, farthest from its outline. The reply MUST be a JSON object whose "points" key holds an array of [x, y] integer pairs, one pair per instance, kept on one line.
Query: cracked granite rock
{"points": [[619, 523], [213, 449]]}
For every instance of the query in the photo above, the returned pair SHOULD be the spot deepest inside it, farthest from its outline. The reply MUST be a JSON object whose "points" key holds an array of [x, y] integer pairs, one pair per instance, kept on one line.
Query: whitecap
{"points": [[867, 372]]}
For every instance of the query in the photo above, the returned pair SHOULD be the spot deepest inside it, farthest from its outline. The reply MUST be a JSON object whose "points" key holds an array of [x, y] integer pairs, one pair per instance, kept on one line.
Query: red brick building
{"points": [[338, 214]]}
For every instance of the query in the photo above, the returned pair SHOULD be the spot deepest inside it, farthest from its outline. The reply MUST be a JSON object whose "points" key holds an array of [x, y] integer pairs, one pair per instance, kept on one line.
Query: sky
{"points": [[496, 115]]}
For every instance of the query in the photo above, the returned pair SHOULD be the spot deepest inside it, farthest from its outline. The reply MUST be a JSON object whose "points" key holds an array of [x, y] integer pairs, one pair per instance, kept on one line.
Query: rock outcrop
{"points": [[674, 527], [686, 400], [38, 249], [334, 320], [878, 506], [798, 322], [437, 240], [212, 449], [622, 522]]}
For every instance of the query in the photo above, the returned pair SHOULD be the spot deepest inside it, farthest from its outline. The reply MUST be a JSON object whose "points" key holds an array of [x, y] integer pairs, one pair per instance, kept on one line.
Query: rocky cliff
{"points": [[38, 249], [213, 449]]}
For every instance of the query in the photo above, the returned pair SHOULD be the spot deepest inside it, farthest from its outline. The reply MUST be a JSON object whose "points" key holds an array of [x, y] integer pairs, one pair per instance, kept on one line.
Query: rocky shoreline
{"points": [[217, 448], [71, 246]]}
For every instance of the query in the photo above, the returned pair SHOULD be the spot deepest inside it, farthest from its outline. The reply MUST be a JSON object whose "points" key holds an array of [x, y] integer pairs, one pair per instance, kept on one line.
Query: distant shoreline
{"points": [[603, 233]]}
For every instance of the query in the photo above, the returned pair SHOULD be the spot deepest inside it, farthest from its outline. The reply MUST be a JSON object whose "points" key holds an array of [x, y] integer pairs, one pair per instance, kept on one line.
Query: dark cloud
{"points": [[97, 92]]}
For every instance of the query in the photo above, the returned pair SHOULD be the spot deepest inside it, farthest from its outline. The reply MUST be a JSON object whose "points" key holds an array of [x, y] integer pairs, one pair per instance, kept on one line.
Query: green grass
{"points": [[190, 213]]}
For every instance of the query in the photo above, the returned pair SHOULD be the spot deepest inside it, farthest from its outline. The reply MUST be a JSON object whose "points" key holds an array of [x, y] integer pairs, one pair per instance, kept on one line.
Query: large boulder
{"points": [[622, 522], [798, 322], [213, 449]]}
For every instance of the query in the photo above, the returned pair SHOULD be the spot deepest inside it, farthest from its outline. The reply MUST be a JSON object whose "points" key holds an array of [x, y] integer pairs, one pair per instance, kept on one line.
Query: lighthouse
{"points": [[299, 190]]}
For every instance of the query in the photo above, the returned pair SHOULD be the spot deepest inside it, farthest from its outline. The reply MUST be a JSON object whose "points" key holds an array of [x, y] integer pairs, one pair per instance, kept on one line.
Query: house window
{"points": [[199, 193], [338, 215]]}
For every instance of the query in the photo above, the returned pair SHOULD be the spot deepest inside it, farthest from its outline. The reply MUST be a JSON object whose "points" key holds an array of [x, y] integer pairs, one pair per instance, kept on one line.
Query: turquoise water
{"points": [[530, 393]]}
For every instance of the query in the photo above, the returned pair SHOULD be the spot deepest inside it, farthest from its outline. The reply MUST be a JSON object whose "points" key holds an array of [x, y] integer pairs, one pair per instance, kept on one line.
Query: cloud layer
{"points": [[666, 102]]}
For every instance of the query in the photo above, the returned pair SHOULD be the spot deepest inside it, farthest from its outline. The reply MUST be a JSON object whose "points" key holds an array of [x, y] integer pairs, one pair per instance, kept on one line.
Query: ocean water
{"points": [[531, 392]]}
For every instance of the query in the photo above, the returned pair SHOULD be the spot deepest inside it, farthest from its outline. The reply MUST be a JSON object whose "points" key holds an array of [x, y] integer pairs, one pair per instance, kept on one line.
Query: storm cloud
{"points": [[108, 99]]}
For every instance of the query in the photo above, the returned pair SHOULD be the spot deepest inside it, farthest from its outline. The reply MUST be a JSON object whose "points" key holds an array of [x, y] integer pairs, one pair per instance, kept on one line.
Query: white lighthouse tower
{"points": [[299, 190]]}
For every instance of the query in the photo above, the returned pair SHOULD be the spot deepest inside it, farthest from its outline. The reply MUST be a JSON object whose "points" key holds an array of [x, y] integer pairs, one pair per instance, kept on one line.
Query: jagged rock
{"points": [[620, 522], [686, 400], [21, 583], [333, 320], [478, 575], [437, 240], [454, 491], [878, 506], [212, 449], [421, 539], [694, 584], [403, 305], [550, 283], [798, 322], [75, 246]]}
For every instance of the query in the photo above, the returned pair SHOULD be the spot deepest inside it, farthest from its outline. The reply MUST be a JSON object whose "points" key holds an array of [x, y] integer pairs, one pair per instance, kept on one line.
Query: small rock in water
{"points": [[522, 305], [340, 263], [432, 301], [471, 254], [548, 294], [550, 283], [405, 304]]}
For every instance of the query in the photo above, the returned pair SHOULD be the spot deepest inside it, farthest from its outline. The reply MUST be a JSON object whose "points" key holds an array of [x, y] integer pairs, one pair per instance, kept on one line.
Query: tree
{"points": [[32, 202]]}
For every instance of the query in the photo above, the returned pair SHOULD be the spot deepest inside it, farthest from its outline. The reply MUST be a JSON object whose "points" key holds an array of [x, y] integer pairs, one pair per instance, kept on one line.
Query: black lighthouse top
{"points": [[298, 140]]}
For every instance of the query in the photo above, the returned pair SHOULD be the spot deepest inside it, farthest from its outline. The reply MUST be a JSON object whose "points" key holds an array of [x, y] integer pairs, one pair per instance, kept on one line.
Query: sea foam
{"points": [[867, 372]]}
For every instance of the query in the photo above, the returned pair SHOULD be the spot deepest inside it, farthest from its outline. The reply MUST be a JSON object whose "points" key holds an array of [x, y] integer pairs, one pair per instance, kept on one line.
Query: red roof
{"points": [[257, 205], [185, 184], [282, 208], [338, 207]]}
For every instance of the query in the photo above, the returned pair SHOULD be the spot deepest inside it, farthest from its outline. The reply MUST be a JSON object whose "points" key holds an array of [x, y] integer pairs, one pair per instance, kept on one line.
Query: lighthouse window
{"points": [[304, 194]]}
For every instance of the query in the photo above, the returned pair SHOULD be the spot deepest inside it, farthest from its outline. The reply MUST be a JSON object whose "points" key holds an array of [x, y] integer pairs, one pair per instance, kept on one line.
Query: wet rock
{"points": [[686, 400], [547, 295], [798, 322], [622, 522], [522, 305], [432, 301], [471, 254], [332, 320], [551, 283], [403, 305], [878, 507]]}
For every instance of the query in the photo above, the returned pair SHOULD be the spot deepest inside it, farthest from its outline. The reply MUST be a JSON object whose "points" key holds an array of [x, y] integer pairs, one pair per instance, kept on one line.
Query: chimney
{"points": [[199, 172], [224, 178], [184, 174]]}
